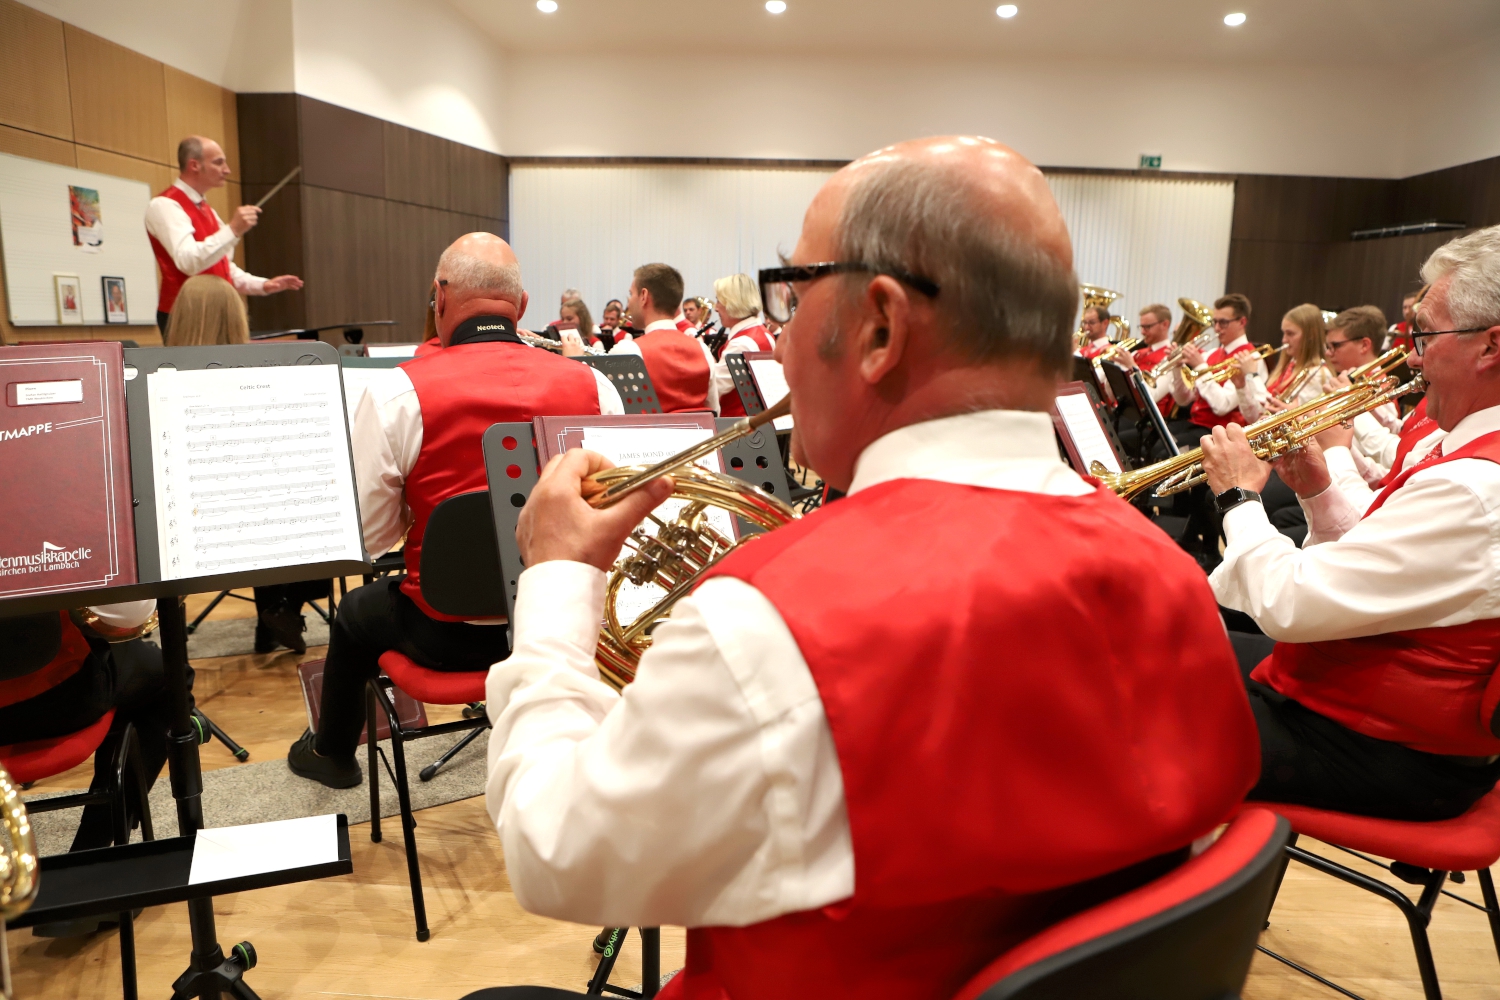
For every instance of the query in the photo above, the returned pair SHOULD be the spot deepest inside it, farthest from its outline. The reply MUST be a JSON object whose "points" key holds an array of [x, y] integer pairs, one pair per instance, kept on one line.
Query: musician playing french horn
{"points": [[1376, 696], [784, 774]]}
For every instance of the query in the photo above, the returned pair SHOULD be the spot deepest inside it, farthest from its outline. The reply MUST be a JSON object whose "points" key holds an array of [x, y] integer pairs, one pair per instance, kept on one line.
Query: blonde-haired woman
{"points": [[1301, 365], [737, 301], [208, 311]]}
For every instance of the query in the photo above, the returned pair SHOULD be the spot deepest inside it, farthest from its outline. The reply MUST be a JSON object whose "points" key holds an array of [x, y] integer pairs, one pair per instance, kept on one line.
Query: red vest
{"points": [[71, 654], [462, 390], [1427, 688], [1202, 414], [428, 346], [205, 224], [729, 403], [1093, 350], [1416, 428], [1009, 720], [678, 369], [1148, 358]]}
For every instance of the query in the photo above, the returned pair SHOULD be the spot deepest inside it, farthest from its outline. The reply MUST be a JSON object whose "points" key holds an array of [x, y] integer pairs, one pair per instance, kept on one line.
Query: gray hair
{"points": [[190, 148], [468, 273], [1002, 295], [571, 293], [1473, 264]]}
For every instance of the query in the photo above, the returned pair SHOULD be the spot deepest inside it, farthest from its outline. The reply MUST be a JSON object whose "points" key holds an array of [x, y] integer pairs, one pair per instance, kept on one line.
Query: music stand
{"points": [[1086, 440], [629, 375]]}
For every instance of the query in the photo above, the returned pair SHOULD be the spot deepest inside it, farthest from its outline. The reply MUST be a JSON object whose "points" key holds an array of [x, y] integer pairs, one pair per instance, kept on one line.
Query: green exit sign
{"points": [[1150, 162]]}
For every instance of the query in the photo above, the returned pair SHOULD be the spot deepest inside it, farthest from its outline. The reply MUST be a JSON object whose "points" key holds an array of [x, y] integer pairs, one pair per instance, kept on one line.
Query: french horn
{"points": [[19, 878], [672, 555]]}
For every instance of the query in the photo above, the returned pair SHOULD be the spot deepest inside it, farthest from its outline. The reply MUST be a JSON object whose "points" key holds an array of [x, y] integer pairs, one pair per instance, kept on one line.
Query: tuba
{"points": [[672, 558], [1196, 320], [19, 881], [1094, 295]]}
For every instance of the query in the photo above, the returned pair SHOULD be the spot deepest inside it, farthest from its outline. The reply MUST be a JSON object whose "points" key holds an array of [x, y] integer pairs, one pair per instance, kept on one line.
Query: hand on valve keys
{"points": [[1228, 461], [558, 523]]}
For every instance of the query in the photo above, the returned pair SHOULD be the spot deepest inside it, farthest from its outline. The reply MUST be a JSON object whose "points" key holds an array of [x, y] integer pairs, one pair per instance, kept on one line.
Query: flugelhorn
{"points": [[1223, 371], [681, 550], [19, 877], [1204, 342], [1276, 434]]}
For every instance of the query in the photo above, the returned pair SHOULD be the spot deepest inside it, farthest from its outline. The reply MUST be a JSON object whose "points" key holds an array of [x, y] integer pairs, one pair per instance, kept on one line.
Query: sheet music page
{"points": [[647, 446], [772, 382], [252, 469], [391, 350], [1088, 436]]}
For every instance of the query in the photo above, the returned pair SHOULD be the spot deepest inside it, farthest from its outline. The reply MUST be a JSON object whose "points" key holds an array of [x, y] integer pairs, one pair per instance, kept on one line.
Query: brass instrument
{"points": [[1094, 295], [1298, 381], [1223, 371], [1205, 341], [1274, 435], [681, 550], [19, 879], [1196, 319], [88, 620], [545, 343]]}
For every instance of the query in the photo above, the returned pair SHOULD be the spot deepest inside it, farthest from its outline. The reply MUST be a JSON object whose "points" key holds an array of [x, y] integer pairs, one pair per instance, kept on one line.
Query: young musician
{"points": [[189, 238], [416, 440], [737, 301], [1214, 404], [1354, 338], [823, 770], [1095, 323], [1155, 325], [1303, 336], [1375, 699], [680, 366]]}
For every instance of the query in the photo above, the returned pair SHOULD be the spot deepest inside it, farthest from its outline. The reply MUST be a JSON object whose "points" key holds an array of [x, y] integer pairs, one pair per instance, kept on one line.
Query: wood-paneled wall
{"points": [[70, 97], [1290, 241], [374, 206]]}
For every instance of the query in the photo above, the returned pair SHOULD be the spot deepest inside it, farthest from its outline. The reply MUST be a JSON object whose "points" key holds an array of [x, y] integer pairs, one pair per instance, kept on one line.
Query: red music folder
{"points": [[65, 468]]}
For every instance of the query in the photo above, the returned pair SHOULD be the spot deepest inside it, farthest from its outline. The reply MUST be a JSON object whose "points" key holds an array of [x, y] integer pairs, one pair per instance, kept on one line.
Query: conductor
{"points": [[189, 238]]}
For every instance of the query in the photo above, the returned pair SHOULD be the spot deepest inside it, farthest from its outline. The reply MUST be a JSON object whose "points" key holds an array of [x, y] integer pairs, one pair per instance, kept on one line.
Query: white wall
{"points": [[1458, 118], [418, 64], [1272, 119]]}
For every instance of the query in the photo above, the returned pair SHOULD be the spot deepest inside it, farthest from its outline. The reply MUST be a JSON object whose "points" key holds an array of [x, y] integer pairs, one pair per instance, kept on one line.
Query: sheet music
{"points": [[647, 446], [772, 382], [391, 350], [1088, 436], [252, 469]]}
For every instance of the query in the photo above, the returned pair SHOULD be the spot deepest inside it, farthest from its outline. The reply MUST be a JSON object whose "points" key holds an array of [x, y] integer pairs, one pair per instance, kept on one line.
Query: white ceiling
{"points": [[1104, 36]]}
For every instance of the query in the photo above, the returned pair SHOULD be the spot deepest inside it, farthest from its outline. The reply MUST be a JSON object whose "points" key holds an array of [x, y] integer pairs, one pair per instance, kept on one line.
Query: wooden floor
{"points": [[352, 937]]}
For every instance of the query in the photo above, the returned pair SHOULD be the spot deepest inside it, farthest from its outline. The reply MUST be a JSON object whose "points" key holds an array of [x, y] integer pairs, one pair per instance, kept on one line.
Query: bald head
{"points": [[477, 275], [975, 218], [201, 163]]}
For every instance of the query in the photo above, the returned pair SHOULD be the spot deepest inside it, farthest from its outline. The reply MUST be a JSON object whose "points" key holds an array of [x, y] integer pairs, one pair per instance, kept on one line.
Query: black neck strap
{"points": [[484, 329]]}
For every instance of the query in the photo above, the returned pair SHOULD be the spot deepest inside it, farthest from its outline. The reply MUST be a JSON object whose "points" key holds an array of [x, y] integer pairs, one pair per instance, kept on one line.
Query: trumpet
{"points": [[681, 550], [19, 878], [1204, 342], [1274, 435], [1298, 381], [1117, 347], [1223, 371]]}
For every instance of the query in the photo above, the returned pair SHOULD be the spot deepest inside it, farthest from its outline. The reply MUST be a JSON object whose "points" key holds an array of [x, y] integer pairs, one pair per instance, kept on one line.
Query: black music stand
{"points": [[116, 879], [629, 375]]}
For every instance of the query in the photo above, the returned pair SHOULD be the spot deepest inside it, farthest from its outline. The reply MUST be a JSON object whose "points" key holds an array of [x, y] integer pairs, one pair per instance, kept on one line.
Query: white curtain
{"points": [[589, 227], [1150, 239]]}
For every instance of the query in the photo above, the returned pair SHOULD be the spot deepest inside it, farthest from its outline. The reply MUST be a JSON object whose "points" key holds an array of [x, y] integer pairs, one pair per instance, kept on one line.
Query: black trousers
{"points": [[161, 321], [376, 618], [1308, 759], [267, 598], [127, 677]]}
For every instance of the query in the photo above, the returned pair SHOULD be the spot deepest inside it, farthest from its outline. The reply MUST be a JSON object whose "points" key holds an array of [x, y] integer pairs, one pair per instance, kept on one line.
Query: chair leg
{"points": [[138, 771], [650, 961], [614, 941], [127, 955], [431, 769], [372, 773], [1487, 886], [1286, 859], [409, 829]]}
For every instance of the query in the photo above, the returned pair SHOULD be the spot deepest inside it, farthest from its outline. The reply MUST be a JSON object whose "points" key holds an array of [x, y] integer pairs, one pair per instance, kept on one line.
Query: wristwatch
{"points": [[1232, 498]]}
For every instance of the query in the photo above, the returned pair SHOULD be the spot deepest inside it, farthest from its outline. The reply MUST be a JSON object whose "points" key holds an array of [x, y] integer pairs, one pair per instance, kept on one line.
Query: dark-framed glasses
{"points": [[780, 299], [1419, 335]]}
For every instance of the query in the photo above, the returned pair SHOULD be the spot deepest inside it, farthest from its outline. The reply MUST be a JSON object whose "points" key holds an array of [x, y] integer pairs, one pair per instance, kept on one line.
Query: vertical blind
{"points": [[588, 227]]}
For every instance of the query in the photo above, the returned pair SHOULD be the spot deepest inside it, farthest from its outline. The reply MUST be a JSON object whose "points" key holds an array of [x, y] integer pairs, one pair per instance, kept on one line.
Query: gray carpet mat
{"points": [[259, 791], [236, 636]]}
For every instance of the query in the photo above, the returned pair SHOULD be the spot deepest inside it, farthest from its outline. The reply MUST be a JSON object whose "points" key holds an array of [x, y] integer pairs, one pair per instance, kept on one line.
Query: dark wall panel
{"points": [[478, 182], [419, 235], [268, 138], [341, 149], [275, 247], [1469, 193], [1378, 272], [347, 258], [417, 167]]}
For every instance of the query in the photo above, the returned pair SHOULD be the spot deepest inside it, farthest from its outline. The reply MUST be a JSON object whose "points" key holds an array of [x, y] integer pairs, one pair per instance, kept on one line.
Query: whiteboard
{"points": [[37, 235]]}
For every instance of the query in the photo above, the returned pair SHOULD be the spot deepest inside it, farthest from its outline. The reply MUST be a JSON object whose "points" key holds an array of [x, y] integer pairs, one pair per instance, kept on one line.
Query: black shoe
{"points": [[285, 624], [330, 771], [265, 642]]}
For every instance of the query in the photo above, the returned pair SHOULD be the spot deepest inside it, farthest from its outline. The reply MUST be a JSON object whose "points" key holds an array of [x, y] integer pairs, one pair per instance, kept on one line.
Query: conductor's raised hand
{"points": [[557, 523], [282, 283], [244, 219], [1229, 461]]}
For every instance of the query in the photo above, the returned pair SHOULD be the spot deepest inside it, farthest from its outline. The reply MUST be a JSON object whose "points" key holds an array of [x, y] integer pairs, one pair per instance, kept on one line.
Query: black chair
{"points": [[460, 573]]}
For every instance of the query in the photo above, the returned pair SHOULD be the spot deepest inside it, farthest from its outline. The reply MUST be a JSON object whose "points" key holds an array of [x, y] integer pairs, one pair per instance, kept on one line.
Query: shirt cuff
{"points": [[1246, 523], [1329, 515], [560, 602]]}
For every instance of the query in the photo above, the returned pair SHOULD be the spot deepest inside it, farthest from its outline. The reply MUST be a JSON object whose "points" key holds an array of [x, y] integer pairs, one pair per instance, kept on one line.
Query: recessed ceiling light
{"points": [[776, 6], [1007, 10], [1234, 20], [547, 6]]}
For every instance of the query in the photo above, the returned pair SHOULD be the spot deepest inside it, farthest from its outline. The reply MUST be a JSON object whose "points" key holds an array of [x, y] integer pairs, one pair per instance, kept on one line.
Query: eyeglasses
{"points": [[1220, 324], [1419, 344], [780, 299], [1330, 346]]}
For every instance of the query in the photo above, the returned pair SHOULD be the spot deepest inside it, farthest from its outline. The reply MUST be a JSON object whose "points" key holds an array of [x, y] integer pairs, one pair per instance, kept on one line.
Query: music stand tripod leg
{"points": [[209, 973]]}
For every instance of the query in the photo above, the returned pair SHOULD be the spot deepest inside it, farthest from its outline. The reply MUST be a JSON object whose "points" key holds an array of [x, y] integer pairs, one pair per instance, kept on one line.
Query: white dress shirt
{"points": [[710, 792], [1430, 556], [386, 435], [1344, 468], [1223, 399], [166, 220], [631, 347], [723, 381]]}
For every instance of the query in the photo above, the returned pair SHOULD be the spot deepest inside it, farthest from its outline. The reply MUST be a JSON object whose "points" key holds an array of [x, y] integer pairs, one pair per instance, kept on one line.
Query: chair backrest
{"points": [[1189, 935], [460, 569], [628, 374], [28, 643]]}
